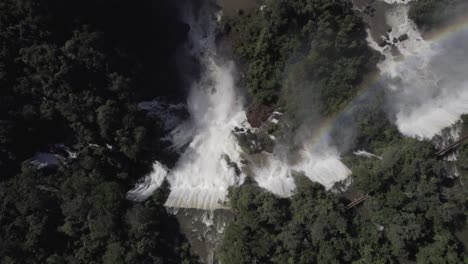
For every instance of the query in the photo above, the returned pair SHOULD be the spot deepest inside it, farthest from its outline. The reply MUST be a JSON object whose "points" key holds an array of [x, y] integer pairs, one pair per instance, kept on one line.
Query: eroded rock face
{"points": [[403, 37], [254, 140], [257, 114], [376, 19]]}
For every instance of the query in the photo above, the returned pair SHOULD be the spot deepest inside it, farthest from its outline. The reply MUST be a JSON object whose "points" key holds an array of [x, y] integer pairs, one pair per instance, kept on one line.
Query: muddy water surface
{"points": [[233, 7]]}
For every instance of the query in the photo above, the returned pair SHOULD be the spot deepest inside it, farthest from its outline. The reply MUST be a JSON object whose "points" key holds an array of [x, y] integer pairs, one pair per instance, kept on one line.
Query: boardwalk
{"points": [[452, 147], [357, 201]]}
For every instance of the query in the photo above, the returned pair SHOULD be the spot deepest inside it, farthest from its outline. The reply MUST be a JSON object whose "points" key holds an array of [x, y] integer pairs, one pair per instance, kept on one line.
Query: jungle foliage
{"points": [[413, 214], [430, 14], [71, 73], [415, 208], [292, 48]]}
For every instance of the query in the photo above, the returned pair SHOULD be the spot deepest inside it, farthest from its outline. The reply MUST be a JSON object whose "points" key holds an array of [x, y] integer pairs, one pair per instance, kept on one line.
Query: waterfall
{"points": [[214, 161], [428, 87], [366, 154], [210, 159], [426, 79], [275, 171], [146, 186]]}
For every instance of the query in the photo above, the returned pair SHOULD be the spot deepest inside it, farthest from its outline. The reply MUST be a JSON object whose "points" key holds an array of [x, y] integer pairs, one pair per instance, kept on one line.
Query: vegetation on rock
{"points": [[290, 47]]}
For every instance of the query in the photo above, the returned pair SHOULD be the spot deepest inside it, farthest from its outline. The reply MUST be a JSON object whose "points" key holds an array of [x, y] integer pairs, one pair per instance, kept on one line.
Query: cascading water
{"points": [[149, 184], [210, 164], [427, 81], [366, 154], [274, 172], [324, 167], [211, 159], [428, 86], [425, 102]]}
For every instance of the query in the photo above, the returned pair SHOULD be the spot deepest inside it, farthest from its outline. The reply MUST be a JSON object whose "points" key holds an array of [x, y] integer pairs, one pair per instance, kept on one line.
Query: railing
{"points": [[357, 201], [450, 148]]}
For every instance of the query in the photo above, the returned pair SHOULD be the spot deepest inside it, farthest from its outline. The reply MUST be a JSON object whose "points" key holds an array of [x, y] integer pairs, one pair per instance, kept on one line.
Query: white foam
{"points": [[323, 166], [211, 157], [396, 1], [431, 117], [273, 174], [145, 188], [366, 154], [42, 160], [427, 91]]}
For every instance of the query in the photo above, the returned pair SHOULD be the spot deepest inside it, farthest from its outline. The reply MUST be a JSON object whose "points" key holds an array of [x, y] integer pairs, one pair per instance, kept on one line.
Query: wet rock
{"points": [[383, 43], [369, 10], [232, 164], [271, 127], [403, 37], [396, 53], [252, 143], [257, 114], [239, 130]]}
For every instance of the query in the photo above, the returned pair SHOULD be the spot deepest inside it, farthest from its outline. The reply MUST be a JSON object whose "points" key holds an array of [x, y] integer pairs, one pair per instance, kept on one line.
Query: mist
{"points": [[304, 146], [425, 91], [426, 79]]}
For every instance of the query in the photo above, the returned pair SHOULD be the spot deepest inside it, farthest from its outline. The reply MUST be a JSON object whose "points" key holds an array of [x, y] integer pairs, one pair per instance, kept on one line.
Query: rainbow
{"points": [[458, 25], [370, 83]]}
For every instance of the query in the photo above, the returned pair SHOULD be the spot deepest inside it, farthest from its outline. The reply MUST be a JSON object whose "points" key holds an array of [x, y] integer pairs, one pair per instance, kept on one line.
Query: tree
{"points": [[71, 77], [430, 14]]}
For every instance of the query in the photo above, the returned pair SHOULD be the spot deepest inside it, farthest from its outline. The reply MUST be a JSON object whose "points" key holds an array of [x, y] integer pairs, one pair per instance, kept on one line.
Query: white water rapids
{"points": [[211, 159], [210, 155], [424, 102], [428, 81], [275, 173], [207, 167]]}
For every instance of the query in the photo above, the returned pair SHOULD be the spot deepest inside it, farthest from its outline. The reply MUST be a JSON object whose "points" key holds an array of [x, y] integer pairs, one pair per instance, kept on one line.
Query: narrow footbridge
{"points": [[357, 201], [452, 147]]}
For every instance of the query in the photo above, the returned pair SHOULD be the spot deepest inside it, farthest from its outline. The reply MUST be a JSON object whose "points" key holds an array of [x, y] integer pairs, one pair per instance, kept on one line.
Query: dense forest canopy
{"points": [[67, 68], [71, 74], [430, 14], [291, 46], [415, 209]]}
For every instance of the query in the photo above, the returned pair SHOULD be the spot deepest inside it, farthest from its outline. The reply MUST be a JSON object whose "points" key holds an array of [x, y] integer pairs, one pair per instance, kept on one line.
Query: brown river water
{"points": [[232, 7]]}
